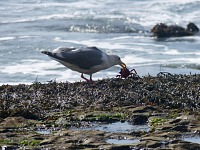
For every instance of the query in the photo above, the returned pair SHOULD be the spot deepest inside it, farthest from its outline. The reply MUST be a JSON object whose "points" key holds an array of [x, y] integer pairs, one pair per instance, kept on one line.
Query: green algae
{"points": [[157, 121], [30, 142], [7, 141], [104, 116]]}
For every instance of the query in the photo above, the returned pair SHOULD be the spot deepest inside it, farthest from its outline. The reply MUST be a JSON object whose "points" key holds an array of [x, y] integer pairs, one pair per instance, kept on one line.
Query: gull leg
{"points": [[87, 80], [91, 78]]}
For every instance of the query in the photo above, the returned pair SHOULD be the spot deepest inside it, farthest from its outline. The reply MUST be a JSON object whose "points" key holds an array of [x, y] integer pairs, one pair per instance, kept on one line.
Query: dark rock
{"points": [[137, 133], [5, 130], [142, 109], [153, 138], [184, 145], [162, 30], [9, 147], [123, 147], [181, 128], [172, 127], [138, 119], [14, 122], [191, 27], [1, 119], [154, 144], [174, 121]]}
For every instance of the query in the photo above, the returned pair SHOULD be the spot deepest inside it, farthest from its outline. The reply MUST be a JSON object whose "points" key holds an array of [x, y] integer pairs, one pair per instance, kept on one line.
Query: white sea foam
{"points": [[171, 52], [34, 67], [6, 38], [97, 43], [43, 68], [132, 59], [194, 60]]}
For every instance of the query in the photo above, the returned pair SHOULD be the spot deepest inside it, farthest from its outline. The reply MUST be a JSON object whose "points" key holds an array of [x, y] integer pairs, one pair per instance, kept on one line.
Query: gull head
{"points": [[116, 60]]}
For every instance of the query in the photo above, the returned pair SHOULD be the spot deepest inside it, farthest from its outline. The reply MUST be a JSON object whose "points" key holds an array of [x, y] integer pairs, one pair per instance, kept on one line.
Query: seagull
{"points": [[85, 60]]}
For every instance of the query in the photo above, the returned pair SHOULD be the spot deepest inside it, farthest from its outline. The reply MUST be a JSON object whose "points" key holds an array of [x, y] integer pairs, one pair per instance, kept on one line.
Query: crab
{"points": [[125, 72]]}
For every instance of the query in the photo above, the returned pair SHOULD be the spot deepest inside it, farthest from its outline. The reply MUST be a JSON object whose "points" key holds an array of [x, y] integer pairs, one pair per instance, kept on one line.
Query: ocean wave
{"points": [[106, 25], [37, 67], [90, 17], [33, 19], [95, 24], [183, 66], [116, 27], [6, 38], [92, 24]]}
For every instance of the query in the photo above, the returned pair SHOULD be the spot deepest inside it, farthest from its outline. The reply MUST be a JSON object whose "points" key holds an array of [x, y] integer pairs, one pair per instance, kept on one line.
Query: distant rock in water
{"points": [[162, 30]]}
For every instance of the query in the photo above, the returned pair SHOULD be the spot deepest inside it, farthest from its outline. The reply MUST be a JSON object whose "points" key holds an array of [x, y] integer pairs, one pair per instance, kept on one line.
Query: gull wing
{"points": [[84, 58]]}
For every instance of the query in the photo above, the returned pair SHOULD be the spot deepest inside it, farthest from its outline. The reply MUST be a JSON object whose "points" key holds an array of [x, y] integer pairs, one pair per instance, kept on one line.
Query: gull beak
{"points": [[123, 65]]}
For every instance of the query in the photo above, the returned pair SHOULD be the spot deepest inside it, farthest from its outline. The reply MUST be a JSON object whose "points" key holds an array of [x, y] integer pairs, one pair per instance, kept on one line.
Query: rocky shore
{"points": [[66, 115]]}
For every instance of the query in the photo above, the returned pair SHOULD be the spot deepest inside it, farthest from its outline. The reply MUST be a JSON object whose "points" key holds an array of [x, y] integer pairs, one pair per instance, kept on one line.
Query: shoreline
{"points": [[149, 70]]}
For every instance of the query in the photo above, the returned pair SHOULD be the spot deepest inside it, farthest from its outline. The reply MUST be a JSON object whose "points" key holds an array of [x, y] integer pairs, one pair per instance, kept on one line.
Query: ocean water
{"points": [[117, 27]]}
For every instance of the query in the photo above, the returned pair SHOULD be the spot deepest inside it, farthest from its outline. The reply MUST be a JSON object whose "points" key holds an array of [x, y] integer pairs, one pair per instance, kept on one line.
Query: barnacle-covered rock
{"points": [[37, 100], [160, 100]]}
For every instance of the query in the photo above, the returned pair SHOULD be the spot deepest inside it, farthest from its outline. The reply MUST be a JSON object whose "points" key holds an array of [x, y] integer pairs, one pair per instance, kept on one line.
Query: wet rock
{"points": [[1, 119], [162, 30], [124, 147], [115, 147], [149, 144], [181, 128], [167, 135], [174, 121], [42, 99], [138, 119], [76, 139], [48, 141], [153, 138], [172, 127], [142, 109], [14, 122], [137, 133], [154, 144], [9, 147], [196, 129], [183, 145], [171, 101]]}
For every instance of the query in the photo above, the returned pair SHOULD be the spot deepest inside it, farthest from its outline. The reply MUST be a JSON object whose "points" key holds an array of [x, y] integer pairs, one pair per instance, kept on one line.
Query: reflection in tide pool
{"points": [[194, 139], [43, 131], [119, 127]]}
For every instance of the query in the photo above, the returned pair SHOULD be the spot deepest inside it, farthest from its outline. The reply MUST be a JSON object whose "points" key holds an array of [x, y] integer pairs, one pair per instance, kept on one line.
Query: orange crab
{"points": [[125, 72]]}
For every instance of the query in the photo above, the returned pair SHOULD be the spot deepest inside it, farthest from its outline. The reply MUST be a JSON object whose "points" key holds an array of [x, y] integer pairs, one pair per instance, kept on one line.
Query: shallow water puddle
{"points": [[43, 131], [121, 141], [120, 127], [193, 139]]}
